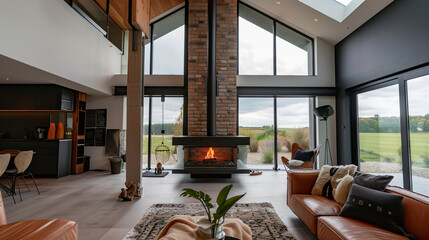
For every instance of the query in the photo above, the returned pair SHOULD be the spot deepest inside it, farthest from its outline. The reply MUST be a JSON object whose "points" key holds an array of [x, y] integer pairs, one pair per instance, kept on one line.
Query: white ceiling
{"points": [[300, 16]]}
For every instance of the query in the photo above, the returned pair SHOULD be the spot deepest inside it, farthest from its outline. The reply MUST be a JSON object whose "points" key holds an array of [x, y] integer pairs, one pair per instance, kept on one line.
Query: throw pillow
{"points": [[294, 164], [376, 182], [303, 155], [379, 208], [343, 189], [327, 180]]}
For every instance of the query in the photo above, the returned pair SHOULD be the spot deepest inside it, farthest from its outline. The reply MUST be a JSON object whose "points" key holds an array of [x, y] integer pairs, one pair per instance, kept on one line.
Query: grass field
{"points": [[386, 147], [156, 141]]}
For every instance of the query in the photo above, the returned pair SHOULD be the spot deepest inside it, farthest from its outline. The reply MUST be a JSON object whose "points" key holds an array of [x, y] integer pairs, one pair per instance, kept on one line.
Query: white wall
{"points": [[324, 77], [51, 36], [332, 133], [116, 119]]}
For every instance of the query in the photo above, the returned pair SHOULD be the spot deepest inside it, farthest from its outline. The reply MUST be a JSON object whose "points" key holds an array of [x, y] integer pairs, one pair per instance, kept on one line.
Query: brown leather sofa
{"points": [[319, 214], [58, 229]]}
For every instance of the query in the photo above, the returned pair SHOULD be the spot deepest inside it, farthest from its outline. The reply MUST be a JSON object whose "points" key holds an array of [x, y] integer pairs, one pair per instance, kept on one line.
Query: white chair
{"points": [[22, 161]]}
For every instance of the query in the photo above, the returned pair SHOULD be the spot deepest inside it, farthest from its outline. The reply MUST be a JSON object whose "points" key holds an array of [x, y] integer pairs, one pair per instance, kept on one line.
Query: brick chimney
{"points": [[226, 67]]}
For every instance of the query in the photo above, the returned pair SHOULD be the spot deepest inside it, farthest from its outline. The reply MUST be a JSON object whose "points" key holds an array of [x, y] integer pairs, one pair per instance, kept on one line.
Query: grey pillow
{"points": [[376, 182], [303, 155], [379, 208]]}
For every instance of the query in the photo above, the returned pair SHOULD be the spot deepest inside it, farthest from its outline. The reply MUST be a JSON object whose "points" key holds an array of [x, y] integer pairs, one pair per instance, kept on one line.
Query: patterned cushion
{"points": [[327, 180]]}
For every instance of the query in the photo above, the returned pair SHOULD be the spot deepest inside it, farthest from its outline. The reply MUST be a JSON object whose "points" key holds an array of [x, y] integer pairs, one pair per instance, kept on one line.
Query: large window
{"points": [[167, 46], [380, 132], [393, 128], [418, 118], [268, 47], [257, 121], [173, 125]]}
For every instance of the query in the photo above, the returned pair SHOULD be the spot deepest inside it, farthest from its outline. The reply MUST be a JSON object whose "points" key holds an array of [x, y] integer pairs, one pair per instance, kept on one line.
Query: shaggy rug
{"points": [[261, 218]]}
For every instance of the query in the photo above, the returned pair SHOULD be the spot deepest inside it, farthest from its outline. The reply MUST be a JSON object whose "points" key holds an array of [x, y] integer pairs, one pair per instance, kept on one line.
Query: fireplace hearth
{"points": [[210, 156]]}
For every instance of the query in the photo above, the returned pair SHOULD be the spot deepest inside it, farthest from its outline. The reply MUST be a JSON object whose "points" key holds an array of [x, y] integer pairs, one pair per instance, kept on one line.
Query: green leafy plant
{"points": [[224, 203]]}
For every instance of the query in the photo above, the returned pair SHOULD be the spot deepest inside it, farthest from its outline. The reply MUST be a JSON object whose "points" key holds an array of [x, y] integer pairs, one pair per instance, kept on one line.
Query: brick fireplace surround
{"points": [[226, 67], [224, 111]]}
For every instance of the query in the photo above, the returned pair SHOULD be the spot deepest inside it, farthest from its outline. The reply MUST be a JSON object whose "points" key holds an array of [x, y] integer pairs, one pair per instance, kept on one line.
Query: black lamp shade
{"points": [[324, 111]]}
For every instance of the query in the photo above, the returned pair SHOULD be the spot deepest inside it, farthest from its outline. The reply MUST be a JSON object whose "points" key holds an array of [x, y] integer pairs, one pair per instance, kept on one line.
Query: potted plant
{"points": [[214, 222]]}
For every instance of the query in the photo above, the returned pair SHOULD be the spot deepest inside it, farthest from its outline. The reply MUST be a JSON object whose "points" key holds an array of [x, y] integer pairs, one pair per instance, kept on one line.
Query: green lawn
{"points": [[386, 147], [156, 141]]}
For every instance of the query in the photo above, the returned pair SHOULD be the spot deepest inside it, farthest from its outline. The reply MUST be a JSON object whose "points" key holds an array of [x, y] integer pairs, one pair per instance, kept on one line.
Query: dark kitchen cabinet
{"points": [[52, 157], [36, 97]]}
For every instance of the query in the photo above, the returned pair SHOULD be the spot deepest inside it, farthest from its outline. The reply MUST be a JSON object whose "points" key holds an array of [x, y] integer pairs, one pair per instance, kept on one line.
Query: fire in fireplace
{"points": [[210, 157]]}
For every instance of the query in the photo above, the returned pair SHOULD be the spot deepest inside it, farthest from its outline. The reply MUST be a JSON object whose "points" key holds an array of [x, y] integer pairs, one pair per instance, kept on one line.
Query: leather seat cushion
{"points": [[309, 207], [342, 228], [57, 229]]}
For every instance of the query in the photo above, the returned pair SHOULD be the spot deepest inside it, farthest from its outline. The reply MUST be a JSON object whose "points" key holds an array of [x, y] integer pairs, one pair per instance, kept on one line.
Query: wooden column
{"points": [[134, 107]]}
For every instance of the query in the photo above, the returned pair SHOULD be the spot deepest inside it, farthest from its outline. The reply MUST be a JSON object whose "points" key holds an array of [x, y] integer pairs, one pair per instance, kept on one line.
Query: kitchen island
{"points": [[52, 158]]}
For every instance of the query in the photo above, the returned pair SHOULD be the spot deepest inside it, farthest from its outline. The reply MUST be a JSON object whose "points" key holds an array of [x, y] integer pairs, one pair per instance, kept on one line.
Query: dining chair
{"points": [[4, 162], [22, 161]]}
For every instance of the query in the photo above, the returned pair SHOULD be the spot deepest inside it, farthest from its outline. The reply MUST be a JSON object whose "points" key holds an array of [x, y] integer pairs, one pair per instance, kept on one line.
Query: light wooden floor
{"points": [[90, 200]]}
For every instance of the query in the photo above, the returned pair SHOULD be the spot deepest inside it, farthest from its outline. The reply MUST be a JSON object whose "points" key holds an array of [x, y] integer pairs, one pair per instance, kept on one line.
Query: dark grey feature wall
{"points": [[394, 41]]}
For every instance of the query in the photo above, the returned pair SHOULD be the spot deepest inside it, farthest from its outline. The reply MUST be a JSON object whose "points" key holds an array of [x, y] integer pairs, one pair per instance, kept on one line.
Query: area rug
{"points": [[261, 218], [153, 174]]}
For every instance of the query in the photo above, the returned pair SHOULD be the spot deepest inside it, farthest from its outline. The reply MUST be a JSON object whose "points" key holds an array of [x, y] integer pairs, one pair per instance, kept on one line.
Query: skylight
{"points": [[344, 2], [335, 9]]}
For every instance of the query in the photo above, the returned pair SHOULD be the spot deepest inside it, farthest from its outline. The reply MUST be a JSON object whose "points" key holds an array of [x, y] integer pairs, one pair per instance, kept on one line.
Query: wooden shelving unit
{"points": [[79, 119]]}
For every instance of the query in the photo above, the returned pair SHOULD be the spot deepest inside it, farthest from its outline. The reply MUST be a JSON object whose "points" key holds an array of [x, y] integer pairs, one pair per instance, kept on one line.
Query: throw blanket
{"points": [[185, 227]]}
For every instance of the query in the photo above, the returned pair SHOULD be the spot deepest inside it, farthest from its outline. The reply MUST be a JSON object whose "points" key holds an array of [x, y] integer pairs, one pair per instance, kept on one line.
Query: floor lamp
{"points": [[323, 112]]}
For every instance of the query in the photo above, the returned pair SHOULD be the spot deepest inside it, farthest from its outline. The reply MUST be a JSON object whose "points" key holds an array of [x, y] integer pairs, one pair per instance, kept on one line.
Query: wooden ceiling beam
{"points": [[158, 7], [140, 15]]}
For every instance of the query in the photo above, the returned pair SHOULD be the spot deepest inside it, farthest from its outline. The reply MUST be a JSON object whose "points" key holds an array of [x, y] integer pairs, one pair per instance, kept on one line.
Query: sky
{"points": [[257, 112], [385, 101]]}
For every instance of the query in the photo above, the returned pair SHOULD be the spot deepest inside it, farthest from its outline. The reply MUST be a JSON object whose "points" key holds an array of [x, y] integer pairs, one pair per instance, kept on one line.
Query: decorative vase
{"points": [[210, 231]]}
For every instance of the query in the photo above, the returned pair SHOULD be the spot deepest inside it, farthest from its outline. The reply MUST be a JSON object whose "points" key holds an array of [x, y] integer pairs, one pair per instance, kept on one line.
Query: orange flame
{"points": [[210, 154]]}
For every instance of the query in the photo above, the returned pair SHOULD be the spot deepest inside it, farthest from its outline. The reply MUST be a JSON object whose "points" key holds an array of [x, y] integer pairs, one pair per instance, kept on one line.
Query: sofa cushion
{"points": [[303, 155], [376, 182], [375, 207], [327, 180], [309, 207], [336, 227], [57, 229], [343, 189]]}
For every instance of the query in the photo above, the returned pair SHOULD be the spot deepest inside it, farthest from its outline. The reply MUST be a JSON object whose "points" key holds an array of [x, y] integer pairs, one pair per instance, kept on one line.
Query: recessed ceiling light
{"points": [[7, 79], [316, 19], [278, 2]]}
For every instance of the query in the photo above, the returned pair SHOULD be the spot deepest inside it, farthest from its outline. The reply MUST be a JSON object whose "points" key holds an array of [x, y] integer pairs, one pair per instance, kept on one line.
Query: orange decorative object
{"points": [[51, 132], [210, 154], [60, 131]]}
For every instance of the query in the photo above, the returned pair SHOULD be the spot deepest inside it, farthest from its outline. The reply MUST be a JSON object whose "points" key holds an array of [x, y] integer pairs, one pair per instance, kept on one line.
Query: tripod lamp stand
{"points": [[324, 112]]}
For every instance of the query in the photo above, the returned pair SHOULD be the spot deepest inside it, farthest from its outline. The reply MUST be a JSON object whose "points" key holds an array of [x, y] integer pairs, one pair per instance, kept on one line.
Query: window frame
{"points": [[275, 22], [151, 27], [400, 79]]}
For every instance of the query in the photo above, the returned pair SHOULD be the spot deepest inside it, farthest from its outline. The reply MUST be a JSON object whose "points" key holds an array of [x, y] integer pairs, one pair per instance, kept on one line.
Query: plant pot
{"points": [[205, 230], [115, 165]]}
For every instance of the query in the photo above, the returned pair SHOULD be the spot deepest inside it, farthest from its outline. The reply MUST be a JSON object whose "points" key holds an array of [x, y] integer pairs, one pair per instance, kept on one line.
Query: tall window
{"points": [[152, 125], [257, 121], [255, 43], [268, 47], [168, 41], [418, 118], [380, 132]]}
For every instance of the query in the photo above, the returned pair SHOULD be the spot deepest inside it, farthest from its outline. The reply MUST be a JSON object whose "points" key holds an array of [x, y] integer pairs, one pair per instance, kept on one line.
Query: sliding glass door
{"points": [[418, 119], [380, 132], [273, 125]]}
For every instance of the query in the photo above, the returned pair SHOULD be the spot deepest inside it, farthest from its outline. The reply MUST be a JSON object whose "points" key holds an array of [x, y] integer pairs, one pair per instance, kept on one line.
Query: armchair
{"points": [[306, 164]]}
